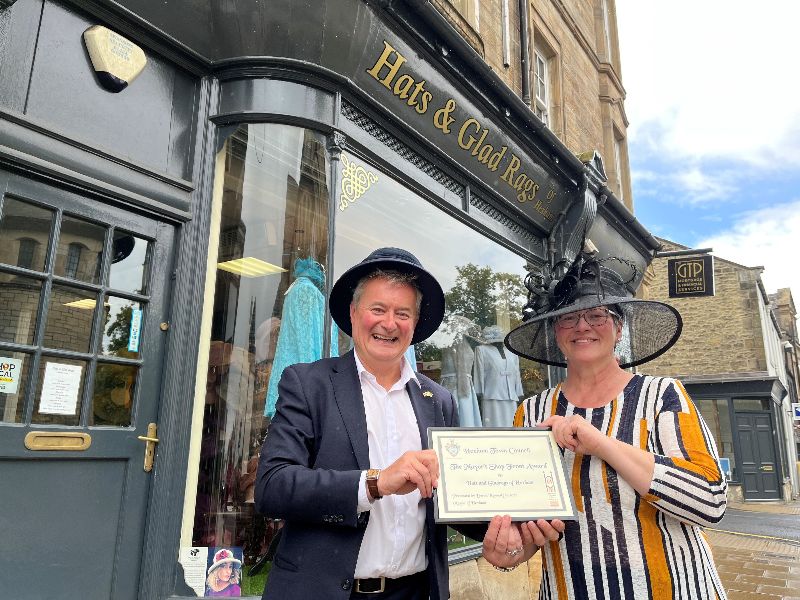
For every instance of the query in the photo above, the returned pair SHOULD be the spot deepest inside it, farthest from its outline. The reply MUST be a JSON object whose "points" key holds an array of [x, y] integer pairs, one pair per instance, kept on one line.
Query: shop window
{"points": [[27, 252], [268, 312], [484, 297], [716, 413]]}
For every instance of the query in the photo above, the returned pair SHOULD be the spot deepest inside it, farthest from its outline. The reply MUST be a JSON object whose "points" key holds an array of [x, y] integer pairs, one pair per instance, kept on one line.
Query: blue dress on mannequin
{"points": [[302, 325]]}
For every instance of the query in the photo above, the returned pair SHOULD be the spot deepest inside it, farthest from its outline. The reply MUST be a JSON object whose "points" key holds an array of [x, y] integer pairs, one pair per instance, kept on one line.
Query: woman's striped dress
{"points": [[624, 545]]}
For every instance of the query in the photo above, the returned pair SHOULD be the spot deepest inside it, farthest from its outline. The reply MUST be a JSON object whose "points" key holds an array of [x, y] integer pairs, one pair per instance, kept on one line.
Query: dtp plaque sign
{"points": [[691, 276]]}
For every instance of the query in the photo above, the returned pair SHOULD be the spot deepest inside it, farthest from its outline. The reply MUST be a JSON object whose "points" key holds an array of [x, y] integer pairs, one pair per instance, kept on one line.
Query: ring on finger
{"points": [[514, 551]]}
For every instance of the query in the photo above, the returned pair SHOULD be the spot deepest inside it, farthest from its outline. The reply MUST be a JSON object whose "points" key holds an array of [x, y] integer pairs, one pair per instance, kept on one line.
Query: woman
{"points": [[223, 575], [644, 468]]}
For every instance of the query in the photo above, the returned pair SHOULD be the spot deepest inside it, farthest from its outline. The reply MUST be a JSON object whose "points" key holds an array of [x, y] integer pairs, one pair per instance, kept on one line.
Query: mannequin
{"points": [[497, 379], [457, 362]]}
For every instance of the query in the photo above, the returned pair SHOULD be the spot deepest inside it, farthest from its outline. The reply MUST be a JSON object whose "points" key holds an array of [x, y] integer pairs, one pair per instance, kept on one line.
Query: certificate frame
{"points": [[488, 471]]}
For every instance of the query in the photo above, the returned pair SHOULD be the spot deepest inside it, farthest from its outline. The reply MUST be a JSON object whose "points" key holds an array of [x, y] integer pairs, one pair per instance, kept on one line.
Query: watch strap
{"points": [[372, 483]]}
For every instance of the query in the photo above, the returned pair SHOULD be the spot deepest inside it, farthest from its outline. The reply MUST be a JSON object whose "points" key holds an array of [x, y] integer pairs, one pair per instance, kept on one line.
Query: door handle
{"points": [[150, 440]]}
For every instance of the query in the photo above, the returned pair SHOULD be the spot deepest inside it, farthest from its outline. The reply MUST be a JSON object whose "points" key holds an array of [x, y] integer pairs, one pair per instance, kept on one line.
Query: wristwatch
{"points": [[372, 483]]}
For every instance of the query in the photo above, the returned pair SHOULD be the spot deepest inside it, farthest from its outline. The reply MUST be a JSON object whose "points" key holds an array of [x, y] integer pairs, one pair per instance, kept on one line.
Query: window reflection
{"points": [[19, 306], [80, 250], [24, 234], [123, 327], [69, 319], [130, 263], [268, 313], [484, 295], [112, 398]]}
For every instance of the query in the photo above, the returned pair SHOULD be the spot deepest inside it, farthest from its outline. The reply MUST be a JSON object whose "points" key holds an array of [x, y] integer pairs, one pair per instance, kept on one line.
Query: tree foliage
{"points": [[479, 293]]}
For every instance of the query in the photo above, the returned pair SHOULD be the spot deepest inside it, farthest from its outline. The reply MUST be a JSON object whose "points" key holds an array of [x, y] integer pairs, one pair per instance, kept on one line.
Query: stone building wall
{"points": [[721, 334], [587, 97]]}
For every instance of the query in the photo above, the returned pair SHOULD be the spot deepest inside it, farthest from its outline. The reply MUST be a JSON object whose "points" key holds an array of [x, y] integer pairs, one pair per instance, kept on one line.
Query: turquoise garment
{"points": [[302, 326]]}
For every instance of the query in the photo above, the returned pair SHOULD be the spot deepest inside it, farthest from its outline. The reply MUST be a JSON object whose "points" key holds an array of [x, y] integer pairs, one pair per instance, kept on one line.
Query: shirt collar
{"points": [[406, 373]]}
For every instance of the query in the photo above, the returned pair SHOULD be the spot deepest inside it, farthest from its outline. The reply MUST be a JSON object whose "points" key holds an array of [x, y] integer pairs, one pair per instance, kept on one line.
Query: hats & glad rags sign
{"points": [[691, 276]]}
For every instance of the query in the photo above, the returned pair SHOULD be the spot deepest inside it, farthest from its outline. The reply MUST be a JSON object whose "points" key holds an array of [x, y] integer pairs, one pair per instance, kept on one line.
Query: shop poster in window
{"points": [[10, 369], [214, 572]]}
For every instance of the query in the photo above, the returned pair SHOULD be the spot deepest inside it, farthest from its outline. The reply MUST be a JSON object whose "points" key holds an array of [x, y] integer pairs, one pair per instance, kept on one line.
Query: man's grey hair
{"points": [[391, 277]]}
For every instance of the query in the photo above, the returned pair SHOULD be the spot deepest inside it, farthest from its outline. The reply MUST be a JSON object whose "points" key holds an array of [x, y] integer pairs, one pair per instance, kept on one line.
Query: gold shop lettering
{"points": [[405, 87], [485, 153]]}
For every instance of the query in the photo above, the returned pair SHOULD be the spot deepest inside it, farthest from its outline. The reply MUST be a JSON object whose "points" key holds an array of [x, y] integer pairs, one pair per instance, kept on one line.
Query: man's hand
{"points": [[414, 470]]}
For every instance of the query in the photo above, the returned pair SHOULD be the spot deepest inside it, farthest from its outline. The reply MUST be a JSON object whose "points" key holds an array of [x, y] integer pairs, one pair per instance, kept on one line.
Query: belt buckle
{"points": [[378, 591]]}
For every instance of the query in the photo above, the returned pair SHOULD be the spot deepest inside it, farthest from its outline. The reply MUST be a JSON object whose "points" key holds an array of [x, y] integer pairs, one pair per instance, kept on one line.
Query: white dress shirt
{"points": [[394, 541]]}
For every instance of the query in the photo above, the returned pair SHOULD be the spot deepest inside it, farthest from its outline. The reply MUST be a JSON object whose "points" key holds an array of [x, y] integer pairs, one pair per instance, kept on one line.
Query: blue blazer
{"points": [[309, 471]]}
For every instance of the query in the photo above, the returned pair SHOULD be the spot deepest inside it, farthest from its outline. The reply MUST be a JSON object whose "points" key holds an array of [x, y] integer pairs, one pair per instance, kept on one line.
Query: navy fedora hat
{"points": [[431, 311]]}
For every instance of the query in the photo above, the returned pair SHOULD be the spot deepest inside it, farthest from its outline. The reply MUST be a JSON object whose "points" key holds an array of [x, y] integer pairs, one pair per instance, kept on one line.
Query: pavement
{"points": [[754, 566]]}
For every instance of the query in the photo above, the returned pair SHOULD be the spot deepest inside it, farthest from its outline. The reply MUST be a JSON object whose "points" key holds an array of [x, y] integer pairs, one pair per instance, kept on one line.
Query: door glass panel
{"points": [[123, 325], [19, 305], [58, 391], [69, 319], [751, 404], [80, 250], [14, 368], [130, 263], [112, 398], [24, 234]]}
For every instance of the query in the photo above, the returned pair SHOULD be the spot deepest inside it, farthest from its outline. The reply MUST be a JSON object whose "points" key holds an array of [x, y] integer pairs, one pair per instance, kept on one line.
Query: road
{"points": [[785, 527]]}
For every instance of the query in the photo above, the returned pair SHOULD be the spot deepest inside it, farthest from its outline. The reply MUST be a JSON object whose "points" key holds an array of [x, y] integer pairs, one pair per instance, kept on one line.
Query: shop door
{"points": [[83, 290], [757, 458]]}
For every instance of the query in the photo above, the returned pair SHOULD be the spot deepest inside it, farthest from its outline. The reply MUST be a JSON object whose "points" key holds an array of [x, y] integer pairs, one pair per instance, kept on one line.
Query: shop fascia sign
{"points": [[454, 125]]}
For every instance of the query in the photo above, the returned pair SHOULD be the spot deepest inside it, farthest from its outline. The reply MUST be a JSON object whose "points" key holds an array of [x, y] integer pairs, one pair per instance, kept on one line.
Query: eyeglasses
{"points": [[594, 317]]}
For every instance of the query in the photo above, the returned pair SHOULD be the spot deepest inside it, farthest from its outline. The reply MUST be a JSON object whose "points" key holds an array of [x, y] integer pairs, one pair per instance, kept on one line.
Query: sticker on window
{"points": [[10, 369], [135, 330]]}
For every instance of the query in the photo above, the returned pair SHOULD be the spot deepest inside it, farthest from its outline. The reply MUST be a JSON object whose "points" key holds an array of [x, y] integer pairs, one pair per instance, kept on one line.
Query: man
{"points": [[345, 462]]}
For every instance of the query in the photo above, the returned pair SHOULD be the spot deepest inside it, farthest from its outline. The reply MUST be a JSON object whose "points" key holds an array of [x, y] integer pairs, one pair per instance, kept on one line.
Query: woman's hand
{"points": [[634, 465], [502, 544], [577, 434], [539, 533]]}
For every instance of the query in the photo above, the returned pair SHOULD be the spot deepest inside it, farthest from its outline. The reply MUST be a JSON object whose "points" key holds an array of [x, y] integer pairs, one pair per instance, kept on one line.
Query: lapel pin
{"points": [[427, 394]]}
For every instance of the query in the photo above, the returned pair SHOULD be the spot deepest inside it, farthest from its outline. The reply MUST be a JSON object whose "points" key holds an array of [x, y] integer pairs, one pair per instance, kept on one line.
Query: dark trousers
{"points": [[411, 587]]}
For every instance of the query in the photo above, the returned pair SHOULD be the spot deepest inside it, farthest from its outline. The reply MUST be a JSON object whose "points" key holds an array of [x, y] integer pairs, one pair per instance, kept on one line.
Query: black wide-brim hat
{"points": [[431, 310], [650, 328]]}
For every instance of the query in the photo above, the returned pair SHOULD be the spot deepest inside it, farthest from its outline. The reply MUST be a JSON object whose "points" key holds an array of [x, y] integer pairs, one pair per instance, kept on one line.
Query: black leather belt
{"points": [[376, 585]]}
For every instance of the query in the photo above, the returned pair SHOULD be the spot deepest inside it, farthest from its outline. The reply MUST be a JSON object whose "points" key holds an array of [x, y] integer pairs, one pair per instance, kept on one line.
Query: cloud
{"points": [[766, 237], [688, 184], [712, 79]]}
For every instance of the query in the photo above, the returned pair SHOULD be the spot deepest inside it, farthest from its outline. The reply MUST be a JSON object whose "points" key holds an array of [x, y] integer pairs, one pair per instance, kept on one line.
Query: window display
{"points": [[269, 313]]}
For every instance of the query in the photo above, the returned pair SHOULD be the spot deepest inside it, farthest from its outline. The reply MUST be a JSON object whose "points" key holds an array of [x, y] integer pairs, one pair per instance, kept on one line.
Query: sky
{"points": [[713, 100]]}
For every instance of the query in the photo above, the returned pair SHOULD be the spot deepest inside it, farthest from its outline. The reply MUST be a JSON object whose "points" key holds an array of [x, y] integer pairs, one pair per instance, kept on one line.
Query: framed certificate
{"points": [[499, 471]]}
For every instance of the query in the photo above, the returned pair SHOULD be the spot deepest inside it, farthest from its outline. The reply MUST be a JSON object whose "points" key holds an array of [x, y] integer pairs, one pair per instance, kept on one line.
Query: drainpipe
{"points": [[524, 51]]}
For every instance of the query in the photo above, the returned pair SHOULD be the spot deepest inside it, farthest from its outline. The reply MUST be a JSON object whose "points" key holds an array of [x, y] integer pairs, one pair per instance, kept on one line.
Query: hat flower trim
{"points": [[548, 292]]}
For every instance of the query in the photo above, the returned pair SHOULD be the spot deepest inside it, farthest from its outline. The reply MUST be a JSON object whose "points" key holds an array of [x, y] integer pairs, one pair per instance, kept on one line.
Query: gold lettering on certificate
{"points": [[356, 180]]}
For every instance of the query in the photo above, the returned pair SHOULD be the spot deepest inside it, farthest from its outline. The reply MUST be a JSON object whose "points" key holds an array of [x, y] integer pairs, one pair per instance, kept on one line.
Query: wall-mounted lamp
{"points": [[787, 346]]}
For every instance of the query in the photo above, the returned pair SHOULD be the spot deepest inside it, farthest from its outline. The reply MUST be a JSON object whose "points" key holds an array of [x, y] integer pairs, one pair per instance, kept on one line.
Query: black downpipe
{"points": [[524, 51]]}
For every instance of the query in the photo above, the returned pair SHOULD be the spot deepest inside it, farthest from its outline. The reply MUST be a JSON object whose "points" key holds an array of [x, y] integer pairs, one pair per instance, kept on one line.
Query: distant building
{"points": [[731, 357]]}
